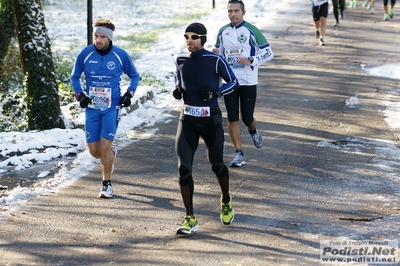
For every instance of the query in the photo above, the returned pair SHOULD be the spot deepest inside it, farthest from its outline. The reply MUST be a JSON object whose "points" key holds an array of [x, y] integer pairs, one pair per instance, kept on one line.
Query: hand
{"points": [[177, 93], [244, 61], [125, 100], [208, 94], [83, 100]]}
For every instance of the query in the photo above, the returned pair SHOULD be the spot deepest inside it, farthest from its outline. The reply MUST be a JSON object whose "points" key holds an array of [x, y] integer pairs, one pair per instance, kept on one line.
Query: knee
{"points": [[220, 170], [94, 152], [184, 172], [248, 121]]}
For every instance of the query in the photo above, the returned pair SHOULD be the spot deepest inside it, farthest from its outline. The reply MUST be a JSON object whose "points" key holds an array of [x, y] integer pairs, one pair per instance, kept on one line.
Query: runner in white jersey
{"points": [[245, 48], [320, 13]]}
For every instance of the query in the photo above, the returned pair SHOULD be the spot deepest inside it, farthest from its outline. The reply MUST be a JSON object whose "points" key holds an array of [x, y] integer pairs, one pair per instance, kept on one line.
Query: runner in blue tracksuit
{"points": [[102, 64], [198, 83]]}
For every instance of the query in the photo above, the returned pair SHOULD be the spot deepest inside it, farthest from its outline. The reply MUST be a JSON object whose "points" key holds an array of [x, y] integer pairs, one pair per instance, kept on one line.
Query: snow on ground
{"points": [[66, 23]]}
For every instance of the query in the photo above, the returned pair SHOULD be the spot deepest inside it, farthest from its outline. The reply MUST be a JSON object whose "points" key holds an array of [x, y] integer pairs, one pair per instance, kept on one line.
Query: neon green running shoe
{"points": [[391, 13], [227, 213], [386, 17], [189, 225]]}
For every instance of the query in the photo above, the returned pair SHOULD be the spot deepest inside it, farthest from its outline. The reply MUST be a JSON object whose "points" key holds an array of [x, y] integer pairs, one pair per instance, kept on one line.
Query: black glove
{"points": [[83, 100], [126, 99], [208, 94], [177, 93]]}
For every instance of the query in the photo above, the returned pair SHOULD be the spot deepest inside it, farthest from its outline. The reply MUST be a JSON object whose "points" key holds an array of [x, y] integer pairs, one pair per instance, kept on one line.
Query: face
{"points": [[193, 45], [101, 41], [235, 13]]}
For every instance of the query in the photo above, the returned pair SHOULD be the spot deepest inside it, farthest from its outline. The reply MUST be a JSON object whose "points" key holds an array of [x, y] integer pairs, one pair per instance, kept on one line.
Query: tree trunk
{"points": [[7, 30], [37, 63]]}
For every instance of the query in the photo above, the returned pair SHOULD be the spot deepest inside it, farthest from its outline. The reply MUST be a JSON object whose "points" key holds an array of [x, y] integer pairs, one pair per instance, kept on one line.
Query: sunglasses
{"points": [[194, 36]]}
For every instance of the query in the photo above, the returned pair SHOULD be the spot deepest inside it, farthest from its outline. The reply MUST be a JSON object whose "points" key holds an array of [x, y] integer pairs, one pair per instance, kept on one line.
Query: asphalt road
{"points": [[326, 171]]}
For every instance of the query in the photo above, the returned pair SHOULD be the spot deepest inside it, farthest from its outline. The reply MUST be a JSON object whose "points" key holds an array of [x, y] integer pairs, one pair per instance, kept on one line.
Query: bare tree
{"points": [[37, 63]]}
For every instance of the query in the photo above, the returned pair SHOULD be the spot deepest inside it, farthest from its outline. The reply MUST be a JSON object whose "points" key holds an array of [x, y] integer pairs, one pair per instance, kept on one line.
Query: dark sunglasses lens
{"points": [[193, 37]]}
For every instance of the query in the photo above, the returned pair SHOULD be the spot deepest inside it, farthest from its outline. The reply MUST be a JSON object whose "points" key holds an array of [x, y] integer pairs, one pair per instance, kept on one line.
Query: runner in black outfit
{"points": [[198, 83], [338, 5]]}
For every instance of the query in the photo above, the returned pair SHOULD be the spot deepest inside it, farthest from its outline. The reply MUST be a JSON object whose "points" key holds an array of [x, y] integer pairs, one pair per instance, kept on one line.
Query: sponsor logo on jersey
{"points": [[111, 65]]}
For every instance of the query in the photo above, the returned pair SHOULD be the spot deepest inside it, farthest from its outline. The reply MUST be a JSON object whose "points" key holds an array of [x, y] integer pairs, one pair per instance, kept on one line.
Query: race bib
{"points": [[232, 57], [101, 98], [203, 111]]}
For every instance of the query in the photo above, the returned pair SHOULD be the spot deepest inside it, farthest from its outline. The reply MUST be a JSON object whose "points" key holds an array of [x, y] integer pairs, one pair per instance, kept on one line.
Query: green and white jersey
{"points": [[244, 40]]}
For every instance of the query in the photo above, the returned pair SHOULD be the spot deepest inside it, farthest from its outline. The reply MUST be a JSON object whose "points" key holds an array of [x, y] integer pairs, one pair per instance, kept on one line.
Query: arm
{"points": [[264, 52], [178, 91], [76, 75], [264, 56], [228, 76]]}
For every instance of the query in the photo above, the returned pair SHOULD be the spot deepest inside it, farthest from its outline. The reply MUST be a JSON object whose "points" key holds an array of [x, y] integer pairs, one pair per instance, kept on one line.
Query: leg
{"points": [[392, 3], [102, 150], [317, 25], [323, 26], [186, 143], [315, 13], [323, 16], [385, 6], [247, 106], [336, 11], [214, 140], [235, 134], [373, 7], [342, 4], [232, 107]]}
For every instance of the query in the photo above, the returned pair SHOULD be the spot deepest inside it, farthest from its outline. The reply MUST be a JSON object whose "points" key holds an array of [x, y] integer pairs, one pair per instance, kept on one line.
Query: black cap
{"points": [[198, 28]]}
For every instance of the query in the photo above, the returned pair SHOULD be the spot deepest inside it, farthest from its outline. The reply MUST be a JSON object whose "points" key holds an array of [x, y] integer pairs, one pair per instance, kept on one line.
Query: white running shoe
{"points": [[372, 10], [106, 191], [238, 160], [257, 139], [321, 42]]}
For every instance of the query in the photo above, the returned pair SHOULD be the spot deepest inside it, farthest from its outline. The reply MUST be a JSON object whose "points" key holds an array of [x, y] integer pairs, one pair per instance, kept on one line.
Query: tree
{"points": [[44, 110], [7, 29]]}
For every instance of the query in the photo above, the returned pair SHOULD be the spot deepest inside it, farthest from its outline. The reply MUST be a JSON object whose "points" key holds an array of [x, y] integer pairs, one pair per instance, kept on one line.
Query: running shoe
{"points": [[257, 139], [316, 34], [386, 17], [321, 42], [372, 10], [106, 191], [391, 13], [336, 24], [238, 160], [365, 4], [189, 225], [227, 213], [353, 3]]}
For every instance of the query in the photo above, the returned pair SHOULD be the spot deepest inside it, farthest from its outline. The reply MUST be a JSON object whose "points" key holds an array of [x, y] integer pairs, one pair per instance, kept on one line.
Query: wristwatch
{"points": [[251, 59]]}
